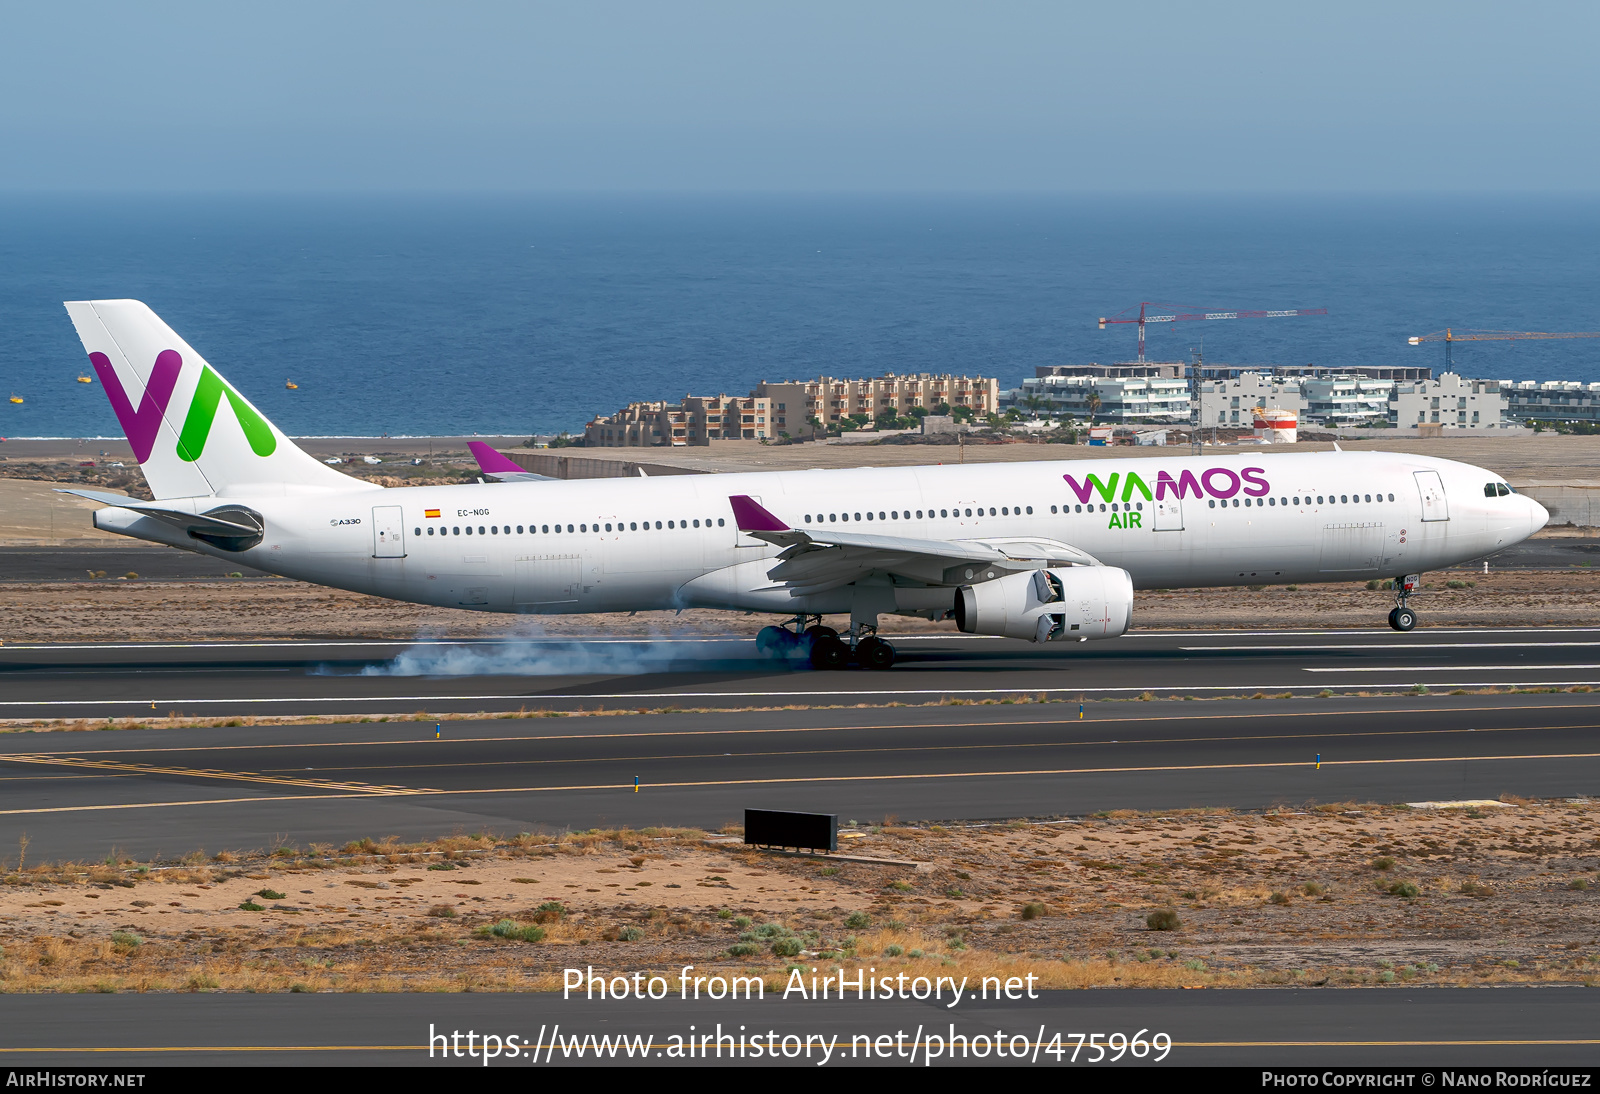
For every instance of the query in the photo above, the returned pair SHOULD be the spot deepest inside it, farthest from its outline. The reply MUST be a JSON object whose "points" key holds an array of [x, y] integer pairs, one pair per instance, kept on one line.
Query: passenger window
{"points": [[697, 524], [1319, 499], [1236, 503], [1272, 501], [944, 513], [1247, 503], [469, 529], [1212, 503], [869, 514], [1030, 510]]}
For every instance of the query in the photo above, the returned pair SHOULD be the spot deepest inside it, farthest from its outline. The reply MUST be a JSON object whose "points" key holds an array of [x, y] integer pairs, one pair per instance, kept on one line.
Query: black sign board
{"points": [[773, 828]]}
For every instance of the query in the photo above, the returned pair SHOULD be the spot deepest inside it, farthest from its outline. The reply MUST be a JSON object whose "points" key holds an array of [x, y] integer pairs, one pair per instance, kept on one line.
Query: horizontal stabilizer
{"points": [[494, 463], [203, 524]]}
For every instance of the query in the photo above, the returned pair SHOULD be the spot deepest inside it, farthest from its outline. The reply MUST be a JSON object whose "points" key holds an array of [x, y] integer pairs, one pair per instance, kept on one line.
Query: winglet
{"points": [[750, 517], [490, 460]]}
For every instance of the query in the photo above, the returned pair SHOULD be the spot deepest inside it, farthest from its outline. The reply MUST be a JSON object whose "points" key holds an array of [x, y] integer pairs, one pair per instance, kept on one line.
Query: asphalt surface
{"points": [[162, 793], [1476, 1027], [491, 676], [30, 564]]}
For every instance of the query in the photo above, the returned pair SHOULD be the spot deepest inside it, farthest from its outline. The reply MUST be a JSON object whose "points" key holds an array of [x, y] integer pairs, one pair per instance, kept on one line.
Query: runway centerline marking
{"points": [[208, 773], [800, 779]]}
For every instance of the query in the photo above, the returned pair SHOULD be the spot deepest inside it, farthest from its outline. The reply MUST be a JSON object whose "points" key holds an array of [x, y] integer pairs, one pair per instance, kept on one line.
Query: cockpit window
{"points": [[1496, 490]]}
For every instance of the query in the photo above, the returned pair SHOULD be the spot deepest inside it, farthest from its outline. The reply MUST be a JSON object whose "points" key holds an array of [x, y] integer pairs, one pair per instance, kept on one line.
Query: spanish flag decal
{"points": [[430, 512]]}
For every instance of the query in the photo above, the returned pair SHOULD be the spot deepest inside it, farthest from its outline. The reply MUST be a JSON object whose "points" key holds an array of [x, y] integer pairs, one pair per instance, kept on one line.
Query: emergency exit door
{"points": [[1434, 504], [388, 532]]}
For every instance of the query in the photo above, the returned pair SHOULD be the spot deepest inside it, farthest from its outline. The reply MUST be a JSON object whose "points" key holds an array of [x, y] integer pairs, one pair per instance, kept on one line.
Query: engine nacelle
{"points": [[1072, 603]]}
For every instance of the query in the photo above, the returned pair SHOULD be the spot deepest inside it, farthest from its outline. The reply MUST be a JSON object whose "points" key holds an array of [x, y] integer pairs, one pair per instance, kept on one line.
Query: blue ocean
{"points": [[514, 315]]}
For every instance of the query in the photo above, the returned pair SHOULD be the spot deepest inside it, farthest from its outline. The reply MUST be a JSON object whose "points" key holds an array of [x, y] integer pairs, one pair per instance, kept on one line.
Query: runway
{"points": [[363, 677], [164, 793], [1477, 1027]]}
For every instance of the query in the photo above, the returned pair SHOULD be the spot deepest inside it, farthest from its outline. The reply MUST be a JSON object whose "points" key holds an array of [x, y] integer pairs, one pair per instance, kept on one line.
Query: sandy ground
{"points": [[113, 609], [1332, 894]]}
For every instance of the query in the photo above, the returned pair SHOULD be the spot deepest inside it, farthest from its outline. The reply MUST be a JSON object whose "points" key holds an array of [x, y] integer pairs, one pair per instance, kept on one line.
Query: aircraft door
{"points": [[388, 532], [1434, 504], [1169, 514]]}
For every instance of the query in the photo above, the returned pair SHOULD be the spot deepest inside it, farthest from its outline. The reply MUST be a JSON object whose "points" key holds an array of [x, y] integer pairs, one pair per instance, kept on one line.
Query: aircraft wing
{"points": [[208, 524], [494, 464], [817, 560]]}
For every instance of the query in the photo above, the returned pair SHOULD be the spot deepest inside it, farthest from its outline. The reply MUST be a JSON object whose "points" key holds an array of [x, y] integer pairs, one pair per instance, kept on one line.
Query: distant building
{"points": [[1552, 400], [1346, 400], [697, 420], [830, 400], [1147, 398], [787, 409], [1450, 400], [1229, 402]]}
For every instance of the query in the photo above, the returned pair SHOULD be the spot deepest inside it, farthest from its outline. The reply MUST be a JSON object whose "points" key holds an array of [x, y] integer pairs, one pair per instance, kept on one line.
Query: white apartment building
{"points": [[1335, 401], [1111, 398], [1450, 400], [1227, 404], [1552, 400]]}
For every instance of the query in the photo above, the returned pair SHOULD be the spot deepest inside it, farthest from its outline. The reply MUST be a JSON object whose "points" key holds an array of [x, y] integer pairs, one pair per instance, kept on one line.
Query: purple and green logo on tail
{"points": [[143, 425]]}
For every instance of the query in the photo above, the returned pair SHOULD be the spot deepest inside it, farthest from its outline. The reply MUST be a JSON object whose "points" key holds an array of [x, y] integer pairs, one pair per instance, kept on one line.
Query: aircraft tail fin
{"points": [[191, 432], [494, 463]]}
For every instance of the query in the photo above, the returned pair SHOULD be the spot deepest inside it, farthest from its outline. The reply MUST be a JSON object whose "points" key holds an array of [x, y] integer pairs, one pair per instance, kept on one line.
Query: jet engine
{"points": [[1073, 602]]}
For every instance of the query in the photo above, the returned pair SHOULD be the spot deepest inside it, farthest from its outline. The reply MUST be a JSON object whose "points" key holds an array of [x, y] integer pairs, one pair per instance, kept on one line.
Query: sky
{"points": [[816, 96]]}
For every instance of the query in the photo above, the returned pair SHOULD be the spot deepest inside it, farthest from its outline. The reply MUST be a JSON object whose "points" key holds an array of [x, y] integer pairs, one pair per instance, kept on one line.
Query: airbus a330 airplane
{"points": [[1045, 552]]}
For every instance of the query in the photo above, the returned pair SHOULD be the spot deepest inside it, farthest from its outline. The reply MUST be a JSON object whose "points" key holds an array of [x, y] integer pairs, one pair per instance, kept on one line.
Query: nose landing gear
{"points": [[1402, 617]]}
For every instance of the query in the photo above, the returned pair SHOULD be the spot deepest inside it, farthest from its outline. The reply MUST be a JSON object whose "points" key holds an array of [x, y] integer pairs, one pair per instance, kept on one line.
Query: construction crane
{"points": [[1447, 337], [1180, 316]]}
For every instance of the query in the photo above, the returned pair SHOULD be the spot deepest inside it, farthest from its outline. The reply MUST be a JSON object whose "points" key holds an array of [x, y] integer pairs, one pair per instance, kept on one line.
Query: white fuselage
{"points": [[670, 542]]}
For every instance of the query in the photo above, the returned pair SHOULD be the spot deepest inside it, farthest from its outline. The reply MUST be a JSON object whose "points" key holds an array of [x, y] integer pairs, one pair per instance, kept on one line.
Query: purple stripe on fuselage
{"points": [[141, 426]]}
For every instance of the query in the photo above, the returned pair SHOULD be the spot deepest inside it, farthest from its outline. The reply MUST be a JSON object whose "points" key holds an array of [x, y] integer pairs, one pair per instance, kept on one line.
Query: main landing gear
{"points": [[1403, 617], [825, 647]]}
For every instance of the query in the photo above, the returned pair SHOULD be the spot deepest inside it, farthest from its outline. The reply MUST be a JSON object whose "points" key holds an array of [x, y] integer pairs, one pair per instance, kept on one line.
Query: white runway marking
{"points": [[1394, 646], [1455, 668]]}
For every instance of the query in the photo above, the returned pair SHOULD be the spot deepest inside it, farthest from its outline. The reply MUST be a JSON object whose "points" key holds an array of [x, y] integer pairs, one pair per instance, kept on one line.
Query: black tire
{"points": [[827, 652], [773, 641], [817, 630], [874, 653], [1391, 617], [1404, 619]]}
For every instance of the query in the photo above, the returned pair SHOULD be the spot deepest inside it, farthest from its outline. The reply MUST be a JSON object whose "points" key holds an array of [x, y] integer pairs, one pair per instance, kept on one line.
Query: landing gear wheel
{"points": [[817, 631], [827, 652], [774, 641], [1403, 619], [874, 653]]}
